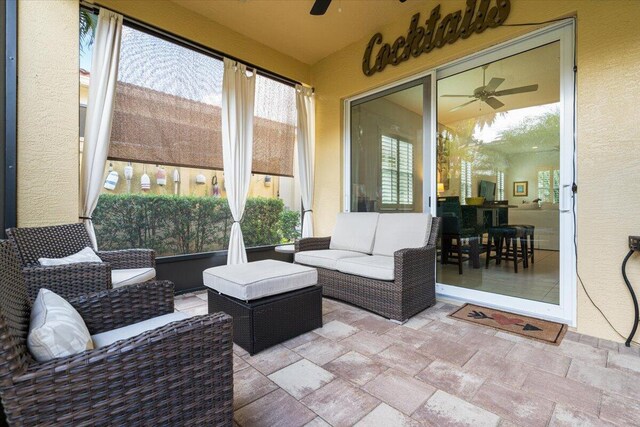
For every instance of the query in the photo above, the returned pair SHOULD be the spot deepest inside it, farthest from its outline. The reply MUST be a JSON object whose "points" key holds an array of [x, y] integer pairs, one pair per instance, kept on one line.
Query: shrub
{"points": [[187, 224]]}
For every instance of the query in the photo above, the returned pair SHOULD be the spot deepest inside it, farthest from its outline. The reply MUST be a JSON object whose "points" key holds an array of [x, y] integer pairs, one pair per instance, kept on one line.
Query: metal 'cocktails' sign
{"points": [[435, 33]]}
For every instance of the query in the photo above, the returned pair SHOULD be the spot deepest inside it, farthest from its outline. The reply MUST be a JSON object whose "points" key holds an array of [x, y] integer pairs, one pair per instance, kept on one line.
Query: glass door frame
{"points": [[563, 32]]}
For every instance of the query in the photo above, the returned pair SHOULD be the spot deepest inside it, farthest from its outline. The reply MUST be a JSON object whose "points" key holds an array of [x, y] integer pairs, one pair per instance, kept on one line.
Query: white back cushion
{"points": [[355, 231], [85, 255], [400, 231], [56, 328]]}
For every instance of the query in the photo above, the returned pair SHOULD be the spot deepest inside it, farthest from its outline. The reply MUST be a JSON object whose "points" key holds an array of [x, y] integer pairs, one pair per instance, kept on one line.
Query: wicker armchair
{"points": [[411, 291], [70, 280], [179, 374]]}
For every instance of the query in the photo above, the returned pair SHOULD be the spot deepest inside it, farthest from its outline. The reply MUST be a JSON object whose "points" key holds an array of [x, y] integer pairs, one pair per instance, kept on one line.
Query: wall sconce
{"points": [[440, 188], [267, 180]]}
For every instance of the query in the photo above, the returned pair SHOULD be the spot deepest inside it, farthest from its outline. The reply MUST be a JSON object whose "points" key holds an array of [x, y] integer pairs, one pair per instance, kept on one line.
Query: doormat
{"points": [[525, 326]]}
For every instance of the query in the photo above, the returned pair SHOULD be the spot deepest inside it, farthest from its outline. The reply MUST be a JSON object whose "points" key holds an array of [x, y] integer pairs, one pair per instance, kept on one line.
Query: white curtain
{"points": [[104, 71], [238, 95], [306, 106]]}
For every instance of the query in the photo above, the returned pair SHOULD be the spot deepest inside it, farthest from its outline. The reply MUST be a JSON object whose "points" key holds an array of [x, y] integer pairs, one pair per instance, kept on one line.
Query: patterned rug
{"points": [[528, 327]]}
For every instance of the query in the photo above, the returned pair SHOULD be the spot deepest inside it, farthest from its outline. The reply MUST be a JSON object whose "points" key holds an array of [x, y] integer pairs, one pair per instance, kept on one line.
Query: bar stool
{"points": [[503, 240], [529, 239]]}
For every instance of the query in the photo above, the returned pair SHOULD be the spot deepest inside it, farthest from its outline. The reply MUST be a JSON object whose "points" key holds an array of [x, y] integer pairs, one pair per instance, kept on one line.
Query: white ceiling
{"points": [[538, 66], [287, 26]]}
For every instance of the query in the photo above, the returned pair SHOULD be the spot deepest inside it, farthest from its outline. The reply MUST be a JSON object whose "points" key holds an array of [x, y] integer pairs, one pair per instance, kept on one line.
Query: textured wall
{"points": [[608, 50], [47, 112]]}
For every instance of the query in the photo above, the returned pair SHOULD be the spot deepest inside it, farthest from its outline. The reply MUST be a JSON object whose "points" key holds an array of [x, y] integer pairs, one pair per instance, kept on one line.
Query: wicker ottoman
{"points": [[270, 301]]}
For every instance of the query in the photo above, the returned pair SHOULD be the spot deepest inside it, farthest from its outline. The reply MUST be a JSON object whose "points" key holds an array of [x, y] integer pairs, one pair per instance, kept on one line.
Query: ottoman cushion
{"points": [[259, 279]]}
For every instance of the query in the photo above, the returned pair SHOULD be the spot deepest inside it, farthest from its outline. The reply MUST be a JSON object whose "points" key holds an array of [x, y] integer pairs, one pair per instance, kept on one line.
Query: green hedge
{"points": [[188, 224]]}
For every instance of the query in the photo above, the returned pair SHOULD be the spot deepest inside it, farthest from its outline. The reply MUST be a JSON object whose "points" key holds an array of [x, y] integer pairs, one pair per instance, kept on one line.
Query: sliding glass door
{"points": [[486, 143], [504, 169], [387, 150]]}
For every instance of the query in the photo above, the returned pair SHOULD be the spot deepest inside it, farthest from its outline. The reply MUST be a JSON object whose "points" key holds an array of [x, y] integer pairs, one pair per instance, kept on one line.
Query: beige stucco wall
{"points": [[47, 112], [608, 52]]}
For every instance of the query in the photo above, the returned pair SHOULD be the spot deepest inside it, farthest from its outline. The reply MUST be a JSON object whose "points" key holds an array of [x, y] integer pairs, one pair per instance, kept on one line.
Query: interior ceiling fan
{"points": [[487, 92], [320, 6]]}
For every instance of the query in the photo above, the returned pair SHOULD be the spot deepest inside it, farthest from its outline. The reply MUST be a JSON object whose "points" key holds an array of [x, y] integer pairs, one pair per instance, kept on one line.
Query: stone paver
{"points": [[443, 409], [340, 403], [515, 405], [398, 356], [250, 385], [272, 359], [624, 362], [321, 351], [336, 330], [355, 367], [607, 379], [362, 369], [451, 378], [301, 378], [567, 417], [564, 390], [399, 390], [541, 359], [275, 409], [620, 410], [386, 416]]}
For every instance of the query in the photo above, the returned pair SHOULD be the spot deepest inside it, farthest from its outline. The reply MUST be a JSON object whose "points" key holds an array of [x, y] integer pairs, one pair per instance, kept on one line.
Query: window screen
{"points": [[168, 109]]}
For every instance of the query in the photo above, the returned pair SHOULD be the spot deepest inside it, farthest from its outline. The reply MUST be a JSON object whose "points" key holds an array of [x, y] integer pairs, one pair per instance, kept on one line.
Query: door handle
{"points": [[563, 197]]}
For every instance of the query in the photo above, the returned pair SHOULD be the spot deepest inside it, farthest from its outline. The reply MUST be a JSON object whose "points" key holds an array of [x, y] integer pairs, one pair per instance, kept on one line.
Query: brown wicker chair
{"points": [[411, 291], [70, 280], [179, 374]]}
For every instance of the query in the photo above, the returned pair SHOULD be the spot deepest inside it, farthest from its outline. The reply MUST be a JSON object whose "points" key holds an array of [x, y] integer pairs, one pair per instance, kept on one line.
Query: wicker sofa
{"points": [[119, 268], [384, 263], [177, 374]]}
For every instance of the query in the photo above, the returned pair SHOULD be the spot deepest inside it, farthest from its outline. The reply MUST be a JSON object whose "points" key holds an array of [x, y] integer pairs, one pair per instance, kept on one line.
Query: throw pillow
{"points": [[56, 328], [85, 255]]}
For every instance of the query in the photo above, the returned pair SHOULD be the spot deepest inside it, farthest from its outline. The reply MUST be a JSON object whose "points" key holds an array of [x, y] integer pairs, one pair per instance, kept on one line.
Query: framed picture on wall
{"points": [[521, 188]]}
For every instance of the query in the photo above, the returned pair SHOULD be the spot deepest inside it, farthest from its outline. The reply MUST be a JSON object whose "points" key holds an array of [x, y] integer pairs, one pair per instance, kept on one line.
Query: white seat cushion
{"points": [[325, 258], [378, 267], [354, 232], [259, 279], [85, 255], [401, 231], [104, 339], [56, 328], [130, 276]]}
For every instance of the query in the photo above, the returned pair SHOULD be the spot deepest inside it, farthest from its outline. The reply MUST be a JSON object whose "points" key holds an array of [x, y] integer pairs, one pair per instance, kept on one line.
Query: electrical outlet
{"points": [[634, 243]]}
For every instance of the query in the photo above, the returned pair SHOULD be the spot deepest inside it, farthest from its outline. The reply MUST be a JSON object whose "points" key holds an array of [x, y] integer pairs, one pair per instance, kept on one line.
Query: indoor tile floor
{"points": [[360, 369], [539, 282]]}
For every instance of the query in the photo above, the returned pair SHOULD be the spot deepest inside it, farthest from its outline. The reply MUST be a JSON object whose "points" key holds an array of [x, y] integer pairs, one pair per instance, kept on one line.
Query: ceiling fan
{"points": [[487, 92], [320, 6]]}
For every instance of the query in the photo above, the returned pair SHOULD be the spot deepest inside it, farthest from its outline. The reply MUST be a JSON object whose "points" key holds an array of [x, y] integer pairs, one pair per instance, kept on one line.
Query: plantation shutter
{"points": [[405, 173], [389, 172], [168, 109]]}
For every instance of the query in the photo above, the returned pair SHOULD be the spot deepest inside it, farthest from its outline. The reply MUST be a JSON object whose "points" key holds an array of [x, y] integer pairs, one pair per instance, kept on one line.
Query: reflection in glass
{"points": [[498, 176]]}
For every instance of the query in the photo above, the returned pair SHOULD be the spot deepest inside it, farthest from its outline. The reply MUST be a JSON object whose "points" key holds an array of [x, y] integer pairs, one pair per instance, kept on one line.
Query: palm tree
{"points": [[88, 22]]}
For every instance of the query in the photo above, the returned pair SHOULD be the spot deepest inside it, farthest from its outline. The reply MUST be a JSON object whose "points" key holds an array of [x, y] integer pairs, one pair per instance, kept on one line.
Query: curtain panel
{"points": [[104, 70], [238, 97], [305, 103]]}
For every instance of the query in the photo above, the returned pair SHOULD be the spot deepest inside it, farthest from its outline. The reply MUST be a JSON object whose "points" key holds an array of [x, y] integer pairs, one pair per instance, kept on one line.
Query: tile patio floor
{"points": [[360, 369]]}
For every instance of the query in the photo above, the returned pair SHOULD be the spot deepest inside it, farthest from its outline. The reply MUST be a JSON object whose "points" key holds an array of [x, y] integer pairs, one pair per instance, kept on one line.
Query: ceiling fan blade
{"points": [[320, 7], [456, 96], [515, 90], [493, 84], [494, 103], [462, 106]]}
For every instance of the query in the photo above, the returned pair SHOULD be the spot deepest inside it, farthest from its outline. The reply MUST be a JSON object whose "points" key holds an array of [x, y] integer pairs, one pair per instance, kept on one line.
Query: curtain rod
{"points": [[139, 25]]}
